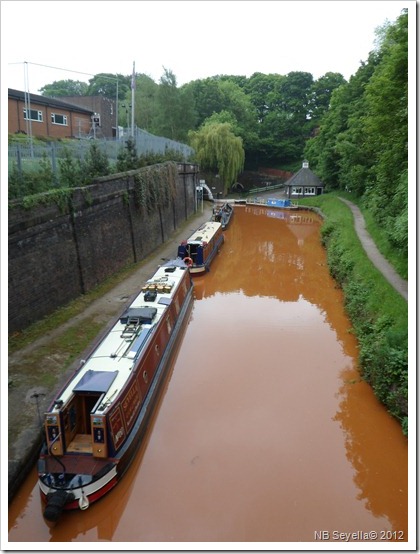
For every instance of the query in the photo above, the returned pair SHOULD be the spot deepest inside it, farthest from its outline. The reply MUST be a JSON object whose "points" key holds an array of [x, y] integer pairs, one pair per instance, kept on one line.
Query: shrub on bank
{"points": [[379, 315]]}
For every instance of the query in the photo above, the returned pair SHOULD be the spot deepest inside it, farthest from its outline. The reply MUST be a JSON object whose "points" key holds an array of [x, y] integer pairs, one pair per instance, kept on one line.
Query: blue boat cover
{"points": [[95, 381], [279, 202]]}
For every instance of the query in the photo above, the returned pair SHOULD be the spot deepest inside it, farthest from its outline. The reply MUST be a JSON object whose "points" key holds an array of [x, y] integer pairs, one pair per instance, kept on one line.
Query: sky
{"points": [[43, 42]]}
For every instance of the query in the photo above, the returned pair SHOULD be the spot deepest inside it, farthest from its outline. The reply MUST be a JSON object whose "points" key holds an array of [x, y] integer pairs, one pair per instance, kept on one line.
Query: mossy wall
{"points": [[63, 244]]}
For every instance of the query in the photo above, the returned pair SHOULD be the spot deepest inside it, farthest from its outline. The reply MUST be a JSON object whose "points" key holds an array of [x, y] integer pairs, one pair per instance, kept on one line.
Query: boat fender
{"points": [[55, 504], [83, 502], [188, 261]]}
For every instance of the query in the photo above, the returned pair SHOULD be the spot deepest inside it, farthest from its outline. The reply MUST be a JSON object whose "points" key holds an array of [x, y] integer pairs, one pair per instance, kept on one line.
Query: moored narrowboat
{"points": [[95, 425], [202, 246], [223, 213]]}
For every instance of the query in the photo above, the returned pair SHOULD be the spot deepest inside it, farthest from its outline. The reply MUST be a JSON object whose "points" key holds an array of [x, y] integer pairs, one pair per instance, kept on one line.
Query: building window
{"points": [[35, 115], [310, 190], [58, 119], [297, 190]]}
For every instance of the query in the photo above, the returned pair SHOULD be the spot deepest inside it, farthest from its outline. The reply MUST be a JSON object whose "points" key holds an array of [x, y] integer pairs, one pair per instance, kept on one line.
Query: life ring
{"points": [[188, 261]]}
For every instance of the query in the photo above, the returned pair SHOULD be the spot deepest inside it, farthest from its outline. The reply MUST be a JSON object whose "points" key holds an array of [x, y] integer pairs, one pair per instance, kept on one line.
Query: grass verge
{"points": [[379, 315]]}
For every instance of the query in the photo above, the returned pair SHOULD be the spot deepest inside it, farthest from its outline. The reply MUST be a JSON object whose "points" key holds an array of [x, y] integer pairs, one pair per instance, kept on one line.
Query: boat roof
{"points": [[108, 368], [205, 233]]}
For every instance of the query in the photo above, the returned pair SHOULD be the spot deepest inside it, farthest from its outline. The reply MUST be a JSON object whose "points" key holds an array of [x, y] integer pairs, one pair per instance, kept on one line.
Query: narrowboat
{"points": [[202, 246], [95, 425], [223, 214]]}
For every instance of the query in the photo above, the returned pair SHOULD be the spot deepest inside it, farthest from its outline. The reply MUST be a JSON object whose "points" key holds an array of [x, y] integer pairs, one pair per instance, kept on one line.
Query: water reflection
{"points": [[381, 472]]}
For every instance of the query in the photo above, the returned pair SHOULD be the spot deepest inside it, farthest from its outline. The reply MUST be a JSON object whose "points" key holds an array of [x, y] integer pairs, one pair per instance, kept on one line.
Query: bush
{"points": [[379, 321]]}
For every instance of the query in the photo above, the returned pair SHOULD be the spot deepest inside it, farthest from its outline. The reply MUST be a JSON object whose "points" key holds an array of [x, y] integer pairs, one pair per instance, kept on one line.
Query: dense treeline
{"points": [[273, 114], [362, 144]]}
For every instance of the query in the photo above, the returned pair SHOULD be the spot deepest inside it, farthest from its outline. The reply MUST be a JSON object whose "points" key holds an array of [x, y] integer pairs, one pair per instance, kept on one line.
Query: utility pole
{"points": [[28, 108], [133, 89]]}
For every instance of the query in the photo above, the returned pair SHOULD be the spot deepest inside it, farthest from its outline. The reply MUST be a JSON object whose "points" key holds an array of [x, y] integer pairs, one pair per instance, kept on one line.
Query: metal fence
{"points": [[27, 156]]}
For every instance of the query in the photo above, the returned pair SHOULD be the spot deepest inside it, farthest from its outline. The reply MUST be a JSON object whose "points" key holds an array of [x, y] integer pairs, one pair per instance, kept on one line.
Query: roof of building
{"points": [[304, 178], [47, 101]]}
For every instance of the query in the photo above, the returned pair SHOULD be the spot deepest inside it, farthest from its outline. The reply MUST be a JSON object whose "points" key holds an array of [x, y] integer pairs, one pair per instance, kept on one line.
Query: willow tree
{"points": [[218, 149]]}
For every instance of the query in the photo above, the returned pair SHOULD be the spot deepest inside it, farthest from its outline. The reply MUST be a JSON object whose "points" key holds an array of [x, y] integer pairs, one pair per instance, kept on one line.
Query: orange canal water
{"points": [[265, 432]]}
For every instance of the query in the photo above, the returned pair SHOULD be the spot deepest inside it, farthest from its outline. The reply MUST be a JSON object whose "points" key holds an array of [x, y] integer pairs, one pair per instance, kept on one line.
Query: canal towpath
{"points": [[399, 284]]}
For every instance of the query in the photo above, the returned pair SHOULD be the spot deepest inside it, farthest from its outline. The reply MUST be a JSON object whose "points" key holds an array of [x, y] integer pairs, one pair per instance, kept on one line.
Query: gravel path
{"points": [[399, 284]]}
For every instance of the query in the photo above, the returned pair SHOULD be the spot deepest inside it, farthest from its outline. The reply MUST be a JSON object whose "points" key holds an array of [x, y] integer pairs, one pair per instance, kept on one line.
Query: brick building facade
{"points": [[47, 117], [103, 107]]}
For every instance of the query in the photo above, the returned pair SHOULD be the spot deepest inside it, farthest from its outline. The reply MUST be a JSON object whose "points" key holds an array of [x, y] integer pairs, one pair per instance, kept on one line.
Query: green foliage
{"points": [[69, 171], [362, 142], [322, 90], [46, 174], [17, 184], [95, 164], [174, 115], [66, 87], [218, 149], [105, 84], [127, 156], [71, 174], [386, 121], [145, 102], [32, 181], [155, 186], [60, 197]]}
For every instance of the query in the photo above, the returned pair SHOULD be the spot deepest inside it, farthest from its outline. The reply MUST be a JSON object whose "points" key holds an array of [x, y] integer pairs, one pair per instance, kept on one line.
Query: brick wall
{"points": [[78, 123], [55, 255], [285, 175], [105, 107]]}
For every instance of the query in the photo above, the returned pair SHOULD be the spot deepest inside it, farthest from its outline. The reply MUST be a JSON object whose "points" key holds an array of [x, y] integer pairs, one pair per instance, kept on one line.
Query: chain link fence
{"points": [[28, 156]]}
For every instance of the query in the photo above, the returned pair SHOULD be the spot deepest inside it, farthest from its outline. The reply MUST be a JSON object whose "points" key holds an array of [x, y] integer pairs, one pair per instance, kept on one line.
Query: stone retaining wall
{"points": [[58, 253]]}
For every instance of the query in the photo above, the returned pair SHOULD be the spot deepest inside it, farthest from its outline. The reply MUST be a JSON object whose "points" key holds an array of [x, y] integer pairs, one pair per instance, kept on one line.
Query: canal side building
{"points": [[41, 116], [304, 183]]}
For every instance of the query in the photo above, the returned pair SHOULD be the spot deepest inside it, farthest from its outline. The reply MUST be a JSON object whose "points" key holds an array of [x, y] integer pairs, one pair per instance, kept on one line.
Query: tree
{"points": [[218, 149], [66, 87], [208, 98], [386, 121], [362, 144], [95, 164], [105, 84], [145, 101], [322, 90], [295, 92], [127, 157], [174, 114], [338, 152], [258, 89]]}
